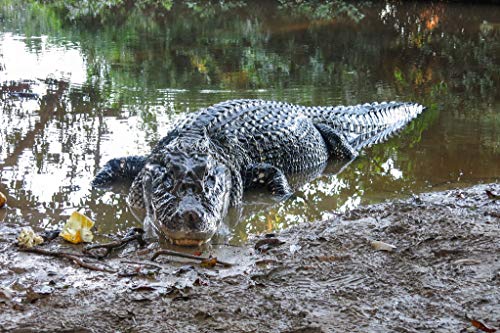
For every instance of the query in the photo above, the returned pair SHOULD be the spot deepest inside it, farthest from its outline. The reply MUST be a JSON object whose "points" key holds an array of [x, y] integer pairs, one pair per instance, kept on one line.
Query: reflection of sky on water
{"points": [[389, 168], [46, 60], [65, 164], [52, 146]]}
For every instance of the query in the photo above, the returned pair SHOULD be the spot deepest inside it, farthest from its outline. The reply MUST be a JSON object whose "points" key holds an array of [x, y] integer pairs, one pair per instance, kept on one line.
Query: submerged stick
{"points": [[187, 256], [73, 257]]}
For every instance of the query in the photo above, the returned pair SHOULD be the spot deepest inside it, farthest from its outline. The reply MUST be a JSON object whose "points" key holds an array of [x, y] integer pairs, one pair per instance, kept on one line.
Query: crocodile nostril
{"points": [[191, 219]]}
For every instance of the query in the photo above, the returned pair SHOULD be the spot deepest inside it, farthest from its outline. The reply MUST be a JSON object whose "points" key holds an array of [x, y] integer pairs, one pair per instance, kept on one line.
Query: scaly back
{"points": [[361, 125]]}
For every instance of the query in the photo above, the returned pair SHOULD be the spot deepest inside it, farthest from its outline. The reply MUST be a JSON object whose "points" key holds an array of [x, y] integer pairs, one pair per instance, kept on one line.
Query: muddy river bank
{"points": [[441, 273]]}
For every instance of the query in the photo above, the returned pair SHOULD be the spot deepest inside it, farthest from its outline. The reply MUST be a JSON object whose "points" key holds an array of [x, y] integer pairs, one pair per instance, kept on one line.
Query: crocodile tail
{"points": [[367, 124], [388, 119]]}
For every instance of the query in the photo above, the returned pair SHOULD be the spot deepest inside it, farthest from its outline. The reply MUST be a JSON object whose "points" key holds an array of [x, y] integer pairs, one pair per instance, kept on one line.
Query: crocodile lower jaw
{"points": [[187, 242]]}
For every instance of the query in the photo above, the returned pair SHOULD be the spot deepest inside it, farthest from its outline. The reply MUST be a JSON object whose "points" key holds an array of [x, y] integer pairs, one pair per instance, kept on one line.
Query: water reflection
{"points": [[72, 97], [28, 57]]}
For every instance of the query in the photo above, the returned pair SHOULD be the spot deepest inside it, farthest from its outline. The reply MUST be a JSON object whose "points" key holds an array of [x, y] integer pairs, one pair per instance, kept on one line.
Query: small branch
{"points": [[145, 251], [134, 234], [188, 256], [141, 262], [70, 256]]}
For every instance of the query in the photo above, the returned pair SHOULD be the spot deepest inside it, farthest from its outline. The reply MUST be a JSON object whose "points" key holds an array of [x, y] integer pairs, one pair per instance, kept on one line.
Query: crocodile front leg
{"points": [[119, 168], [264, 174], [338, 147], [135, 198]]}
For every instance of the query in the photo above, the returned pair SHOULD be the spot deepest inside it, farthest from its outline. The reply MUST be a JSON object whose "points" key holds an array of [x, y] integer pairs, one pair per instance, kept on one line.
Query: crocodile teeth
{"points": [[187, 242]]}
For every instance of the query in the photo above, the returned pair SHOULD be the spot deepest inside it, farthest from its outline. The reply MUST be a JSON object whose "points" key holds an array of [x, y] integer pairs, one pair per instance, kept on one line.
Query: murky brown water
{"points": [[72, 97]]}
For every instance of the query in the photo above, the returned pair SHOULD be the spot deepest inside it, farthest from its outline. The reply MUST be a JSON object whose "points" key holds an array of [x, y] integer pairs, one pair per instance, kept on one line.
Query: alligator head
{"points": [[187, 191]]}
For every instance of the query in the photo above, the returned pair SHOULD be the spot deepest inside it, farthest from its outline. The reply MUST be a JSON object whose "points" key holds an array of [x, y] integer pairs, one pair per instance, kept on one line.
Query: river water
{"points": [[74, 95]]}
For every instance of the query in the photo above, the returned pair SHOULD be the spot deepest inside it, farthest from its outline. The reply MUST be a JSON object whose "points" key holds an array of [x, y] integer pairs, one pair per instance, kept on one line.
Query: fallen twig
{"points": [[188, 256], [145, 251], [134, 235], [141, 262], [266, 244], [71, 256]]}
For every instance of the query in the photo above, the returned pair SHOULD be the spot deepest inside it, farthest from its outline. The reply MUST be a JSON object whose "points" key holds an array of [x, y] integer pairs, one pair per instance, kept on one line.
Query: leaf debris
{"points": [[28, 238], [381, 246], [492, 195], [3, 200], [481, 326]]}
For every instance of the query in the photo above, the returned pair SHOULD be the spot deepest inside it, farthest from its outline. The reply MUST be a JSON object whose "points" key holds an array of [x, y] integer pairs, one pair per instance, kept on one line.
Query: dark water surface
{"points": [[112, 90]]}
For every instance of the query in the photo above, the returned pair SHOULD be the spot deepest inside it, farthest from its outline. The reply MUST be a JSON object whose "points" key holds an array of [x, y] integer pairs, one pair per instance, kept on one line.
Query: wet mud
{"points": [[439, 272]]}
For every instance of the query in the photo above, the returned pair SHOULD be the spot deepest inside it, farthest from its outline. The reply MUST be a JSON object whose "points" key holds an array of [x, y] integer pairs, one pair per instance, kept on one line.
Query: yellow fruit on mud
{"points": [[77, 229]]}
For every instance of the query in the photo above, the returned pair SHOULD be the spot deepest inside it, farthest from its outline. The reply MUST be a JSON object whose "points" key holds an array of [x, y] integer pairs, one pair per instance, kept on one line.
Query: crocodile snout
{"points": [[190, 219]]}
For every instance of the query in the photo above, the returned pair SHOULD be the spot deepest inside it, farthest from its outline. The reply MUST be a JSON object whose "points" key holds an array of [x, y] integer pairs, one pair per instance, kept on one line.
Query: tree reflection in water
{"points": [[114, 88]]}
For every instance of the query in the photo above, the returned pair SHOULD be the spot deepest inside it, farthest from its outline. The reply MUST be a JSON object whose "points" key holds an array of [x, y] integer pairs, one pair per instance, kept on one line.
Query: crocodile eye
{"points": [[200, 169]]}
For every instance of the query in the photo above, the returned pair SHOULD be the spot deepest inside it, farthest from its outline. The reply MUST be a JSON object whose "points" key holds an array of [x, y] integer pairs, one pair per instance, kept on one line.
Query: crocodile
{"points": [[205, 163]]}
